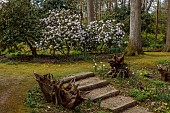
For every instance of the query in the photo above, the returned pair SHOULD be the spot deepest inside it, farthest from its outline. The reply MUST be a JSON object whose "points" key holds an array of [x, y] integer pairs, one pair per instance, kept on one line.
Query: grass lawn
{"points": [[17, 79]]}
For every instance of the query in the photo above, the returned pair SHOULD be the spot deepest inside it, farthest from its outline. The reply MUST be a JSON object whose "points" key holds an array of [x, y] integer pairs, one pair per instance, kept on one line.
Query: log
{"points": [[78, 76]]}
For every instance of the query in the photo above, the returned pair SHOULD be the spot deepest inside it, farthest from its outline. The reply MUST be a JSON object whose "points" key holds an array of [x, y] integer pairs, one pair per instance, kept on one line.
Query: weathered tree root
{"points": [[58, 92], [165, 73], [118, 67]]}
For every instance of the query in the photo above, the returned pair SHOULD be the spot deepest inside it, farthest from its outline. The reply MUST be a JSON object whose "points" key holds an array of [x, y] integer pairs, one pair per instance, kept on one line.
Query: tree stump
{"points": [[165, 73], [118, 67], [58, 92]]}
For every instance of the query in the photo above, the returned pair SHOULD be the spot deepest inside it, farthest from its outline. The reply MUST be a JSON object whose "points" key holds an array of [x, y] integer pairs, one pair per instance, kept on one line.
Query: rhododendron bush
{"points": [[62, 31]]}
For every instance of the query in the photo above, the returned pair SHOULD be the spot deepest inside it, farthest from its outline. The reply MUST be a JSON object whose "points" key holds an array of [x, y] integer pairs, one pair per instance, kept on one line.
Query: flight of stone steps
{"points": [[109, 96]]}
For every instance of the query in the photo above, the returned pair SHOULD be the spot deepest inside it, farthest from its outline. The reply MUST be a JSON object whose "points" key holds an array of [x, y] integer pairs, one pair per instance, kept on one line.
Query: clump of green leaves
{"points": [[164, 108], [163, 61], [139, 95], [99, 103], [100, 69], [88, 103], [12, 63], [34, 98], [143, 72]]}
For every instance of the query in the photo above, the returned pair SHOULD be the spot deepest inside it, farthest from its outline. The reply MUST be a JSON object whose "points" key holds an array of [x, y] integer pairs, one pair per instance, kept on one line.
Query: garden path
{"points": [[110, 98]]}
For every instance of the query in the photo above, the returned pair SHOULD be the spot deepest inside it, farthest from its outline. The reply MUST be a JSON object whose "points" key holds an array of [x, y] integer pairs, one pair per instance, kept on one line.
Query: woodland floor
{"points": [[16, 78]]}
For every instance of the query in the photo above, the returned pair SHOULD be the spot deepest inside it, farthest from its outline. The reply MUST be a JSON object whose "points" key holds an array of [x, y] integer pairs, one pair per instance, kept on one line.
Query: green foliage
{"points": [[120, 14], [133, 81], [99, 103], [19, 21], [78, 109], [15, 54], [164, 108], [34, 98], [149, 40], [146, 22], [61, 108], [46, 5], [12, 63], [102, 112], [155, 93], [163, 61], [88, 103], [134, 92], [139, 95], [100, 69], [143, 72], [114, 50]]}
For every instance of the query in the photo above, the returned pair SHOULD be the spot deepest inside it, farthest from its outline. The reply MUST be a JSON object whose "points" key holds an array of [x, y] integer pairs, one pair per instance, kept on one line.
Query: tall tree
{"points": [[90, 10], [157, 17], [19, 23], [168, 30], [135, 42]]}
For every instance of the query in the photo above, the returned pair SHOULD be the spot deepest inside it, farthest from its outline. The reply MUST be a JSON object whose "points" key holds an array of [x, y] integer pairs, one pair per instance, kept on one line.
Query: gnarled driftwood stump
{"points": [[165, 72], [58, 92], [118, 67]]}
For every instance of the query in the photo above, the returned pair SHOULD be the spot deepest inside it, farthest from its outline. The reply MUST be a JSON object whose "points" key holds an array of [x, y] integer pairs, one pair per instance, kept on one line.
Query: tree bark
{"points": [[157, 18], [90, 10], [116, 4], [135, 41], [148, 7], [33, 49], [168, 30], [81, 12]]}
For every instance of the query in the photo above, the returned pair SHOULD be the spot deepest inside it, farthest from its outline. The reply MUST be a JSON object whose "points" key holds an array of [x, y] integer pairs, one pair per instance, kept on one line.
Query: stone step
{"points": [[118, 104], [78, 76], [93, 85], [136, 109], [102, 93], [87, 81]]}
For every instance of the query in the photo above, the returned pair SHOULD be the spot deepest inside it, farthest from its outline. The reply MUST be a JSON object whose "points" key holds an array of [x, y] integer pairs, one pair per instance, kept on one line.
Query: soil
{"points": [[13, 92]]}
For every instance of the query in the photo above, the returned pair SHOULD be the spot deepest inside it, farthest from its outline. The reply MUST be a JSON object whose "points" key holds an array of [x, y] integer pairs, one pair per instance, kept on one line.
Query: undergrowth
{"points": [[36, 101]]}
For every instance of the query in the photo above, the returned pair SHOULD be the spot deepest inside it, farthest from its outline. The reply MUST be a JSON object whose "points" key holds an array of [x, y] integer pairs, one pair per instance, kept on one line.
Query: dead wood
{"points": [[66, 94], [118, 67], [165, 73], [78, 77], [45, 85]]}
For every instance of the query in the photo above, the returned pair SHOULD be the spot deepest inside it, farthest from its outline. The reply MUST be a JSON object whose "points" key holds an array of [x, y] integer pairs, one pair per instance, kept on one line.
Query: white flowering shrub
{"points": [[63, 32], [102, 34]]}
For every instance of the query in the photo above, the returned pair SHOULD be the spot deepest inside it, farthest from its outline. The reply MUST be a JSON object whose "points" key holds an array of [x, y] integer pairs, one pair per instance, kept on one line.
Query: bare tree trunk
{"points": [[33, 49], [157, 13], [143, 5], [116, 4], [135, 42], [168, 30], [148, 7], [101, 3], [81, 12], [124, 3], [96, 9], [109, 5], [90, 10], [128, 4]]}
